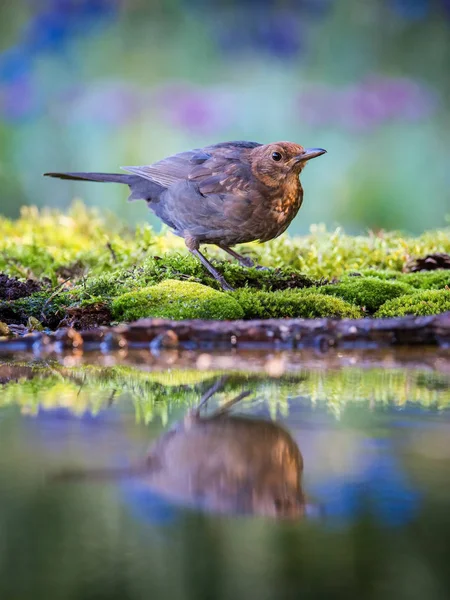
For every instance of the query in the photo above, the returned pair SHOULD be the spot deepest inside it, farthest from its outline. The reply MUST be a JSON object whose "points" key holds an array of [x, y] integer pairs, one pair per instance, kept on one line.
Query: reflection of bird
{"points": [[226, 194], [230, 464], [223, 463]]}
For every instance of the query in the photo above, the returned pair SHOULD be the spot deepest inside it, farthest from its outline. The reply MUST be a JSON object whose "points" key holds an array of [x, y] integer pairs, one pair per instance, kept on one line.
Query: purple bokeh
{"points": [[197, 110], [370, 103]]}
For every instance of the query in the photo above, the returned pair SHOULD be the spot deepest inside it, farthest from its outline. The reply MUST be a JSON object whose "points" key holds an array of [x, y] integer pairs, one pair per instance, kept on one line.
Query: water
{"points": [[330, 478]]}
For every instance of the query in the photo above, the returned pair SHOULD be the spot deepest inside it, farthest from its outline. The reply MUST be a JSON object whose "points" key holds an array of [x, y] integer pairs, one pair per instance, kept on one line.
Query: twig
{"points": [[50, 298], [111, 249]]}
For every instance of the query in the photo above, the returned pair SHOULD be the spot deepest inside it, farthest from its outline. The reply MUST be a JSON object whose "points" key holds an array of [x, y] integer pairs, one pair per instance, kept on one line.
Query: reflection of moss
{"points": [[367, 292], [292, 303], [166, 395], [429, 302], [433, 381], [176, 300]]}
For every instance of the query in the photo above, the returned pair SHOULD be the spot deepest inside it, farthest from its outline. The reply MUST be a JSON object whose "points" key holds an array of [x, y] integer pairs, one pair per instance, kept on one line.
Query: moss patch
{"points": [[369, 293], [76, 268], [176, 300], [292, 303], [427, 280], [48, 243], [429, 302]]}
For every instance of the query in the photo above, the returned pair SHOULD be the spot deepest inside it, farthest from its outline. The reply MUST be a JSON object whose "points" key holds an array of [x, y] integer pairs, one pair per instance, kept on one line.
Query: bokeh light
{"points": [[95, 84]]}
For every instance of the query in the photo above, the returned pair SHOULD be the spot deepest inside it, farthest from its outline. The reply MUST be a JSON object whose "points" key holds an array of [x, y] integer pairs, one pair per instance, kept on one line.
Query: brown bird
{"points": [[220, 462], [226, 194]]}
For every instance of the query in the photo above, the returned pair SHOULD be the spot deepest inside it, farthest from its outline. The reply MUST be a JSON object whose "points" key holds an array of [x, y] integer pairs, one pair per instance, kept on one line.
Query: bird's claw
{"points": [[259, 268], [225, 286], [247, 262]]}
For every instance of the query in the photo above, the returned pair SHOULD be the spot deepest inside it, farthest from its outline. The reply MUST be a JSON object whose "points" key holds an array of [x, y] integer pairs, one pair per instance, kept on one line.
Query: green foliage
{"points": [[50, 244], [176, 300], [429, 302], [428, 280], [18, 311], [384, 274], [367, 292], [422, 280], [332, 254], [97, 245], [84, 259], [269, 280], [292, 303]]}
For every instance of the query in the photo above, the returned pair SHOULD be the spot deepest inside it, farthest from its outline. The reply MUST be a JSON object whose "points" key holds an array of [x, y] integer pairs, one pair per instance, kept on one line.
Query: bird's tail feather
{"points": [[141, 188], [103, 177]]}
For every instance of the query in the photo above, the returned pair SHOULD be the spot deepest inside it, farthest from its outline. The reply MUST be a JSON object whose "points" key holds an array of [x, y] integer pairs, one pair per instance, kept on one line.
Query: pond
{"points": [[301, 475]]}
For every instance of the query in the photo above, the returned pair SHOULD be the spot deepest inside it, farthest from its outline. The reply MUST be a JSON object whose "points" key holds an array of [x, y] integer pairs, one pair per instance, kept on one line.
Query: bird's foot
{"points": [[244, 261], [259, 268], [225, 286]]}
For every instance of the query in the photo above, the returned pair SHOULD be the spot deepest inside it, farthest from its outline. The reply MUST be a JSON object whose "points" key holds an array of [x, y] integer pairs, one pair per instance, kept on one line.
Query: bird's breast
{"points": [[286, 204]]}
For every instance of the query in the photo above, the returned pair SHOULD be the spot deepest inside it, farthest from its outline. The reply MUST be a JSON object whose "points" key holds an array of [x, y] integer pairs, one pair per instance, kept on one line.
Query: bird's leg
{"points": [[192, 246], [226, 407], [245, 261], [218, 385], [217, 276]]}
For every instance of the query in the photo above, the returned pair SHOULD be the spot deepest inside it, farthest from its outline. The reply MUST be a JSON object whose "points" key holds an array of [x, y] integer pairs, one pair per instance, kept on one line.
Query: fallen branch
{"points": [[321, 334]]}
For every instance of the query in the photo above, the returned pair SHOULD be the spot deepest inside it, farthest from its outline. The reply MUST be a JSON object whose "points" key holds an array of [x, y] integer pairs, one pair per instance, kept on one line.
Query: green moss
{"points": [[428, 280], [421, 280], [176, 300], [429, 302], [367, 292], [268, 280], [185, 266], [332, 254], [105, 261], [27, 260], [106, 286], [19, 311], [292, 303], [46, 243], [384, 274], [182, 267]]}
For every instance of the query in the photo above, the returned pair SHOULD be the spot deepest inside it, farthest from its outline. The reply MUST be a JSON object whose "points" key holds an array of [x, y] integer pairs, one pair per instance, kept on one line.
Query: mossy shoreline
{"points": [[89, 271]]}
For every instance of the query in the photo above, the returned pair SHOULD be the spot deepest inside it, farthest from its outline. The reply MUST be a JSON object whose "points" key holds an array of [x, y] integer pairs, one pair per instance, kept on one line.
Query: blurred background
{"points": [[95, 84]]}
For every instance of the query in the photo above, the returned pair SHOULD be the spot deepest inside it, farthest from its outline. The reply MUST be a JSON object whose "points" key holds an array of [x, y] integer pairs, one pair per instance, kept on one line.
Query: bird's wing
{"points": [[172, 169], [196, 165]]}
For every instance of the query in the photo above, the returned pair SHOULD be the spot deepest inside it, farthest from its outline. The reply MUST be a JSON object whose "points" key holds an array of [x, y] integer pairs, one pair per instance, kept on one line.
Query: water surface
{"points": [[329, 478]]}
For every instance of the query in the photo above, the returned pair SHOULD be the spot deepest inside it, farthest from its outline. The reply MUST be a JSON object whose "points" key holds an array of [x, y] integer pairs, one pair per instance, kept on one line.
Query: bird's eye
{"points": [[276, 156]]}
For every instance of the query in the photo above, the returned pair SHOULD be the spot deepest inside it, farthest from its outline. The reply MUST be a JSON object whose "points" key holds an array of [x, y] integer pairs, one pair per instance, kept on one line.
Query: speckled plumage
{"points": [[224, 194]]}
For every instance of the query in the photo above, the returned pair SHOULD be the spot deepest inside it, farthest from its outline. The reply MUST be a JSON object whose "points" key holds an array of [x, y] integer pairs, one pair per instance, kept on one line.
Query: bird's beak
{"points": [[310, 153]]}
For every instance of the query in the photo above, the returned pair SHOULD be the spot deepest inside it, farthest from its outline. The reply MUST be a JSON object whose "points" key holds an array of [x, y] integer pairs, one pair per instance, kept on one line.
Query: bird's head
{"points": [[272, 163]]}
